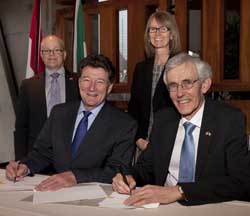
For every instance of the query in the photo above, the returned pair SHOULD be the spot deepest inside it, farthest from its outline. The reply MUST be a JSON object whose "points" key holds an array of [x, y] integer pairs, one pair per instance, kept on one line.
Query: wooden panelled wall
{"points": [[212, 41], [213, 50], [109, 32]]}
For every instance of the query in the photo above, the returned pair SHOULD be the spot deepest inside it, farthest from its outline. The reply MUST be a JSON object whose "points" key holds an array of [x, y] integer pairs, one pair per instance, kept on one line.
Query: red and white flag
{"points": [[34, 63]]}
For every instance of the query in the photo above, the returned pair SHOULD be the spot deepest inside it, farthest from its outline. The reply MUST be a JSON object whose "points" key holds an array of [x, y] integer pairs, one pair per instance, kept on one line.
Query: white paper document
{"points": [[115, 200], [69, 194], [26, 184]]}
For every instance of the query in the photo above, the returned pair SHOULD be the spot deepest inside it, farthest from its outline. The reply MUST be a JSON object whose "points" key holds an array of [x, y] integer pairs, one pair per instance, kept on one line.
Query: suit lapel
{"points": [[69, 126], [69, 86], [148, 76], [41, 95], [207, 133], [144, 86]]}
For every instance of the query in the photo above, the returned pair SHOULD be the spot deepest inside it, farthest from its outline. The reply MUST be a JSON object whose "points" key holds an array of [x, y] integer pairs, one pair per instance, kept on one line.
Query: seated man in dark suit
{"points": [[86, 141], [198, 151]]}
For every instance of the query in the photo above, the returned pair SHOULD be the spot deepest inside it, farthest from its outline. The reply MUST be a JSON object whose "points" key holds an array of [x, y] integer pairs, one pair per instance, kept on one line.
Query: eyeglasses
{"points": [[162, 29], [87, 81], [185, 85], [52, 51]]}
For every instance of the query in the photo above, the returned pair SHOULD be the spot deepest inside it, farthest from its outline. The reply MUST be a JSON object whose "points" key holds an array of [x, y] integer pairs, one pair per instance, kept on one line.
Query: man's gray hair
{"points": [[203, 69]]}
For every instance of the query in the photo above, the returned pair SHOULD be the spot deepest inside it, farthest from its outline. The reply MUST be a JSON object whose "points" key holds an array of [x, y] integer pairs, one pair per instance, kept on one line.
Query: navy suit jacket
{"points": [[140, 102], [107, 145], [222, 166], [32, 110]]}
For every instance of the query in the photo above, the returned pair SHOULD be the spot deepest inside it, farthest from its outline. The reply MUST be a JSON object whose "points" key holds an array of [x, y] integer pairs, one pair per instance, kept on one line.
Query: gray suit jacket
{"points": [[222, 166], [107, 145]]}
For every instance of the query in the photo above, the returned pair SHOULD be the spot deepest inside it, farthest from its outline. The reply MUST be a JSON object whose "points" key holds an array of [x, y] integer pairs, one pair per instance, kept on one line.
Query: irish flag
{"points": [[34, 63], [79, 43]]}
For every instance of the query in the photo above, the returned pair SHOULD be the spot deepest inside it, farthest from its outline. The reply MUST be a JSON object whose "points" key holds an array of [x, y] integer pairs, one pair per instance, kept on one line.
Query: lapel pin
{"points": [[208, 133]]}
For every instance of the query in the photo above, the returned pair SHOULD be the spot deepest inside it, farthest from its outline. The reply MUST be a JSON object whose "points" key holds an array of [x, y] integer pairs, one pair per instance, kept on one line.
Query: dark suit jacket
{"points": [[32, 110], [107, 145], [140, 102], [222, 166]]}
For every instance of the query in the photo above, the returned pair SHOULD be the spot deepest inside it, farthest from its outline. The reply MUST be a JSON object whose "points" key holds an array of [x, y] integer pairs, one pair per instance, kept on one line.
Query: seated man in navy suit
{"points": [[198, 151], [106, 146]]}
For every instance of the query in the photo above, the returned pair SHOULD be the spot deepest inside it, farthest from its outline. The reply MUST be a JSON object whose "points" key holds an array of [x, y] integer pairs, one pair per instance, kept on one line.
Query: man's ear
{"points": [[206, 84], [64, 55]]}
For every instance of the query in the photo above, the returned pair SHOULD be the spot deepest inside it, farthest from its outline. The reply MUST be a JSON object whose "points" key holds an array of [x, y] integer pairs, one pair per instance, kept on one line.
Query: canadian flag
{"points": [[34, 62]]}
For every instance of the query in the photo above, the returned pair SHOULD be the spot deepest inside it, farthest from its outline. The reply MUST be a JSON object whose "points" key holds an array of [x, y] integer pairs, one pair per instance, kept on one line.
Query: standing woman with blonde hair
{"points": [[148, 92]]}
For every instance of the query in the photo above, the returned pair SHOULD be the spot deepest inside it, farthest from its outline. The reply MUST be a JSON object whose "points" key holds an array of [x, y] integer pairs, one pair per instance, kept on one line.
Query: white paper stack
{"points": [[69, 194]]}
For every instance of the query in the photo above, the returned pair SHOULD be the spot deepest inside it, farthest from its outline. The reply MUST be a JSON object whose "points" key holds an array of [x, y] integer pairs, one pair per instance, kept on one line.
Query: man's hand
{"points": [[16, 171], [142, 144], [57, 181], [153, 194], [120, 186]]}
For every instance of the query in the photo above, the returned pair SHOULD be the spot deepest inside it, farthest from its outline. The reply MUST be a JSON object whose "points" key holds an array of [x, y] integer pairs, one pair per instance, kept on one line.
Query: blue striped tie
{"points": [[187, 159], [80, 132]]}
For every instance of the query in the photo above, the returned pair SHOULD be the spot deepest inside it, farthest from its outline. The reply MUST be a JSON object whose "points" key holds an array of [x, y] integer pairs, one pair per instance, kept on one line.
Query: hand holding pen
{"points": [[123, 183], [16, 171], [17, 168]]}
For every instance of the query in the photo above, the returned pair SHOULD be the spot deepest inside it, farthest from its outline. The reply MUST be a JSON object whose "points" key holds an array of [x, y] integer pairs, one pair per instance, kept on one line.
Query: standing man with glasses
{"points": [[87, 140], [198, 151], [40, 93]]}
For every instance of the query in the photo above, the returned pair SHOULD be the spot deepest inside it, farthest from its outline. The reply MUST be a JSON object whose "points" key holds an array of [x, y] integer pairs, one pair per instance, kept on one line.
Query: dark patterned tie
{"points": [[187, 159], [80, 132], [55, 97]]}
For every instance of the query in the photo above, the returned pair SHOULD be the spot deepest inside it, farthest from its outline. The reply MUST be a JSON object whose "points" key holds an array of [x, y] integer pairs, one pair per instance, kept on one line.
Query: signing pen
{"points": [[14, 180], [124, 178]]}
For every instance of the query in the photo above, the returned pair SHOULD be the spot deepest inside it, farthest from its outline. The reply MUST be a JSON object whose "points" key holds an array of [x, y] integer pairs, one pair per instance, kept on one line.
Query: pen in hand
{"points": [[124, 178], [14, 180]]}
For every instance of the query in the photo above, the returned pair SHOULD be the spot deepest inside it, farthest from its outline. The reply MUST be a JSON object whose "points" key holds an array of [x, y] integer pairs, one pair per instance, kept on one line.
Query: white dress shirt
{"points": [[173, 174]]}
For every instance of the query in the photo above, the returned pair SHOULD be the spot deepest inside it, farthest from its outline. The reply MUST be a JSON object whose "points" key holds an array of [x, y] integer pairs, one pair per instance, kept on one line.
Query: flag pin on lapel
{"points": [[208, 133]]}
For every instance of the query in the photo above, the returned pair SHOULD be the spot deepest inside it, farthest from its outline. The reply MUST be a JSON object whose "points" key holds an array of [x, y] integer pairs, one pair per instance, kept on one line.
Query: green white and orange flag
{"points": [[79, 42], [34, 62]]}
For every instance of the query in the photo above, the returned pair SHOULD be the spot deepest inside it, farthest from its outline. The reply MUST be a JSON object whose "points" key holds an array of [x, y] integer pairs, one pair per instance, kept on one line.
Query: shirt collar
{"points": [[94, 111], [61, 71], [197, 118]]}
